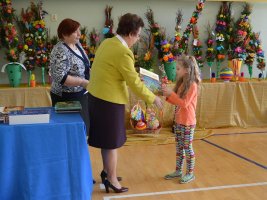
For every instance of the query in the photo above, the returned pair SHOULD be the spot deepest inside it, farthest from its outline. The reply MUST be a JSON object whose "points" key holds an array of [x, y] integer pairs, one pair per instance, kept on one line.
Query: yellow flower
{"points": [[147, 56], [26, 47]]}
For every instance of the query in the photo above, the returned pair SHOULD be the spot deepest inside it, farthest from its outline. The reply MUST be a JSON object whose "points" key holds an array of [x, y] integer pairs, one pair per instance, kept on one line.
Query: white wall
{"points": [[90, 13]]}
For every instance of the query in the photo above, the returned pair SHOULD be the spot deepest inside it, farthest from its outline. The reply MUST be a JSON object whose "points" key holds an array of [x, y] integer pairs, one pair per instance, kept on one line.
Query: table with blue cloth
{"points": [[45, 161]]}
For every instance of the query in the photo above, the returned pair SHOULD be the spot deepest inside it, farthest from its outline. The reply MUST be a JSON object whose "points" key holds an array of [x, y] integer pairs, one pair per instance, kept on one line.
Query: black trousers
{"points": [[83, 99]]}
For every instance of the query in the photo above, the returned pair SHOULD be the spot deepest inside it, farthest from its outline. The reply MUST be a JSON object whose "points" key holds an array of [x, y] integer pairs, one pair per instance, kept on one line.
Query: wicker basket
{"points": [[147, 130]]}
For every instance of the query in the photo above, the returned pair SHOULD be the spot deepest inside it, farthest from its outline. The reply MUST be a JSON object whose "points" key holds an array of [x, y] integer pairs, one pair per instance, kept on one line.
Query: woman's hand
{"points": [[84, 83], [165, 90], [158, 102]]}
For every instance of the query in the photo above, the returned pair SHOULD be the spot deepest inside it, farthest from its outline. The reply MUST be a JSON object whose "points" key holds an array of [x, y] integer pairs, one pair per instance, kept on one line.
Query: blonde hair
{"points": [[190, 64]]}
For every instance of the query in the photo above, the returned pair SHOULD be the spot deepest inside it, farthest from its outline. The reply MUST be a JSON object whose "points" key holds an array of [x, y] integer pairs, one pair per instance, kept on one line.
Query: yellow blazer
{"points": [[112, 70]]}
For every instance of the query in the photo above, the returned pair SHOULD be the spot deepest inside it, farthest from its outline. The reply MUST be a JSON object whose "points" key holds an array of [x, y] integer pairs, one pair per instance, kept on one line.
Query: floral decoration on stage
{"points": [[33, 26], [261, 63], [154, 29], [29, 50], [166, 53], [94, 38], [241, 33], [251, 52], [183, 45], [220, 29], [210, 52], [108, 29], [9, 35], [197, 46], [229, 28], [145, 57], [40, 36], [28, 46], [178, 35]]}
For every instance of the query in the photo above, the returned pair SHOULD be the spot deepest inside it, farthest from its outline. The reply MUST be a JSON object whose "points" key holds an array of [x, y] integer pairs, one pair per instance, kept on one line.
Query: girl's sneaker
{"points": [[187, 178], [173, 175]]}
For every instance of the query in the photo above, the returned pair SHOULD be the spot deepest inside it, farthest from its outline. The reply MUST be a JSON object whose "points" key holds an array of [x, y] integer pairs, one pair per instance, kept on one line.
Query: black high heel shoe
{"points": [[104, 176], [117, 190]]}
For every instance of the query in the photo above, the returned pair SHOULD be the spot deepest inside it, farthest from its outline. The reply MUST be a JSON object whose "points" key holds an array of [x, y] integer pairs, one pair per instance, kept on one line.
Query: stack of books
{"points": [[29, 116]]}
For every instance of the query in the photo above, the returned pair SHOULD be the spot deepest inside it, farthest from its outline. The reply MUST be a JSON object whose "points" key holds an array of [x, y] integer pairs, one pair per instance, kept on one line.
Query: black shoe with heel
{"points": [[104, 176], [117, 190]]}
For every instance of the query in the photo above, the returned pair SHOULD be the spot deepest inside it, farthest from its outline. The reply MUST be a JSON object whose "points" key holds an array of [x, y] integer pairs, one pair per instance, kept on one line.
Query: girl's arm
{"points": [[183, 103]]}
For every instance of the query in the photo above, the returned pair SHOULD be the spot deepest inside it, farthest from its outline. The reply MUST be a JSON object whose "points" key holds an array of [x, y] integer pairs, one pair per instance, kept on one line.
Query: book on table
{"points": [[151, 80], [29, 116], [68, 106]]}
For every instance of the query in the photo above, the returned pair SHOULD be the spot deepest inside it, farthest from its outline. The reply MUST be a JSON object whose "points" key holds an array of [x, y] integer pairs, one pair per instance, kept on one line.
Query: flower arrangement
{"points": [[145, 57], [158, 39], [154, 29], [166, 54], [220, 30], [260, 54], [146, 60], [35, 38], [28, 47], [29, 51], [40, 36], [197, 46], [229, 28], [210, 53], [108, 29], [241, 34], [183, 45], [178, 36], [9, 33], [251, 52], [94, 40]]}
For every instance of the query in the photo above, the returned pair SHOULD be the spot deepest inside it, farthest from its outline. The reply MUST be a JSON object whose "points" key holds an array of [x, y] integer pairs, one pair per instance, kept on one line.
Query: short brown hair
{"points": [[129, 24], [67, 27]]}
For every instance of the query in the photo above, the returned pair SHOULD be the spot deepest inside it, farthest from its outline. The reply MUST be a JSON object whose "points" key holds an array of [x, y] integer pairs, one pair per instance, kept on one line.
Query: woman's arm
{"points": [[132, 78], [75, 81], [173, 98]]}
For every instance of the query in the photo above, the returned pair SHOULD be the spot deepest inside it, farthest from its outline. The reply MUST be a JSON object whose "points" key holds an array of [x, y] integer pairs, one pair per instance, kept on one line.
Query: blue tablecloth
{"points": [[45, 161]]}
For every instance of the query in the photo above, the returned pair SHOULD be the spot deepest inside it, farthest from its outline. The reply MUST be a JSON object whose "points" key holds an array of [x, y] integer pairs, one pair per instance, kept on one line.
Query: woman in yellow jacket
{"points": [[112, 71]]}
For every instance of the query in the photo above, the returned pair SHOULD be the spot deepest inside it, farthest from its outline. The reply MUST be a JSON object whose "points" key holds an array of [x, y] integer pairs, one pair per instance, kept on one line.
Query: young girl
{"points": [[185, 97]]}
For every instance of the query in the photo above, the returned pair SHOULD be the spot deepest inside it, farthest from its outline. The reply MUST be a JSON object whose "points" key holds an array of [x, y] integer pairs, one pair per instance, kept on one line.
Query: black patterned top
{"points": [[63, 62]]}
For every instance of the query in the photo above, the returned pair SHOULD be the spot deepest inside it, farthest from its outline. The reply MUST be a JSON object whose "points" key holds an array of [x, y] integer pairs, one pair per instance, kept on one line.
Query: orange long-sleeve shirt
{"points": [[186, 111]]}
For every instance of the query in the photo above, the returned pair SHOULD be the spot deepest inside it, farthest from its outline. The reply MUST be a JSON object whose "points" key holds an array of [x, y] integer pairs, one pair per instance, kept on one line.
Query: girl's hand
{"points": [[165, 90], [158, 102]]}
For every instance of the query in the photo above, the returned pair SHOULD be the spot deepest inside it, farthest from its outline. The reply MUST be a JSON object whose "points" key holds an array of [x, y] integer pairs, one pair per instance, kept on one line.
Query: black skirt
{"points": [[107, 126]]}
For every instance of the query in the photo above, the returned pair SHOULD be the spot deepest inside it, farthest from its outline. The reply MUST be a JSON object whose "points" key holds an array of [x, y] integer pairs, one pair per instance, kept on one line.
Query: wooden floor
{"points": [[231, 164]]}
